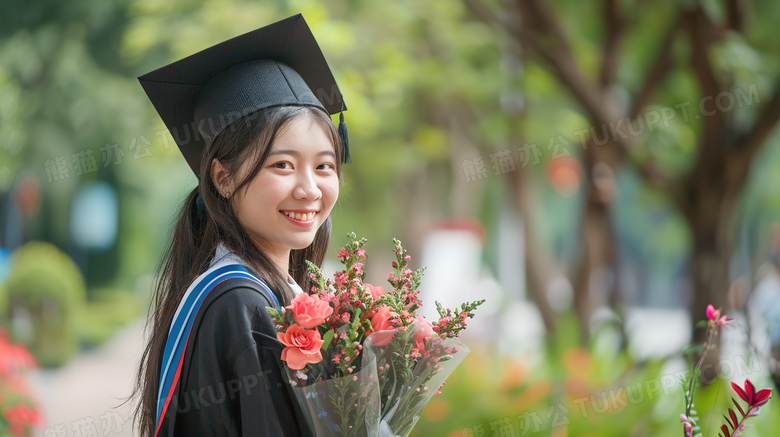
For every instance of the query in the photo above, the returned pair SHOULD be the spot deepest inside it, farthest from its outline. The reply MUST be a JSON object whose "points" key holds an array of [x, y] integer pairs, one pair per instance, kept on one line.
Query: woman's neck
{"points": [[279, 255]]}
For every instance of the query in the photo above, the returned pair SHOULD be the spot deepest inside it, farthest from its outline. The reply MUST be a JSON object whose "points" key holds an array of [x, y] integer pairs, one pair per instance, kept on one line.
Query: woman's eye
{"points": [[280, 163], [330, 166]]}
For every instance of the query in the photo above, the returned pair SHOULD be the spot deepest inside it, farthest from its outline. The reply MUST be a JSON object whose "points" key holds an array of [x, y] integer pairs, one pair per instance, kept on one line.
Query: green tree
{"points": [[606, 60]]}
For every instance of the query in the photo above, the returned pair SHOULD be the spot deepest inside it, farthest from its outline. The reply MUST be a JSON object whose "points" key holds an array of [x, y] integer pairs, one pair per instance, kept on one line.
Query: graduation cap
{"points": [[198, 97]]}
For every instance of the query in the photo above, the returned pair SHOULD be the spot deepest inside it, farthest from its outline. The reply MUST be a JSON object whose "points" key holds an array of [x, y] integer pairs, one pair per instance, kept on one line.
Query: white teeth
{"points": [[299, 216]]}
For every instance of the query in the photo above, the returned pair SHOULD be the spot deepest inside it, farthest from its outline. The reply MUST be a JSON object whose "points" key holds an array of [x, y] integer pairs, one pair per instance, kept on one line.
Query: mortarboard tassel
{"points": [[343, 136]]}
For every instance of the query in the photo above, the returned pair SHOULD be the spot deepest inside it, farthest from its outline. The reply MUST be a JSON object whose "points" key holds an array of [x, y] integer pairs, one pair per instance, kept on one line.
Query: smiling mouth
{"points": [[305, 217]]}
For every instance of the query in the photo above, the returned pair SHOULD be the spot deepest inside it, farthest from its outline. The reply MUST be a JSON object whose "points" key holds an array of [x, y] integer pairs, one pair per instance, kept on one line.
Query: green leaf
{"points": [[701, 324], [327, 338]]}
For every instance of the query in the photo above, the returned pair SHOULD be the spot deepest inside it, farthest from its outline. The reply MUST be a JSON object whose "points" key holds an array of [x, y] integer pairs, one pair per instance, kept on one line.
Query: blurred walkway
{"points": [[79, 399]]}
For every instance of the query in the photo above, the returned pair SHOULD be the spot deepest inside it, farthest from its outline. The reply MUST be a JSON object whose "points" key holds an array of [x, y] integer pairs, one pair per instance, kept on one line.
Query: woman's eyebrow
{"points": [[297, 153]]}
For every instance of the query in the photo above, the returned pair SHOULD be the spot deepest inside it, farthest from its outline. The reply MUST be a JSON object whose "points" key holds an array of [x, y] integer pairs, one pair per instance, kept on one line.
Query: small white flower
{"points": [[302, 376]]}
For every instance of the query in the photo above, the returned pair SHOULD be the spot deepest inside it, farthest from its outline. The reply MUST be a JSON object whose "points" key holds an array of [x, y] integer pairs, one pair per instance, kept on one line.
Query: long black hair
{"points": [[196, 236]]}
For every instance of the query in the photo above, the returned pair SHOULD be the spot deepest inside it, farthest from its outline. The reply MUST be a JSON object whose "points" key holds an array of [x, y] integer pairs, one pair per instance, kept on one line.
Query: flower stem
{"points": [[711, 330], [742, 422]]}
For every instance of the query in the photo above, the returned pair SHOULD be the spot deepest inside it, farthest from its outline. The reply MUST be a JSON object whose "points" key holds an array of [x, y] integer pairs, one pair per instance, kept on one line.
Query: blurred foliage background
{"points": [[621, 154]]}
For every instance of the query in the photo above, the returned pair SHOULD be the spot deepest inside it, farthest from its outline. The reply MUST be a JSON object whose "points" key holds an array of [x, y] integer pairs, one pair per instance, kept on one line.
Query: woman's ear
{"points": [[220, 177]]}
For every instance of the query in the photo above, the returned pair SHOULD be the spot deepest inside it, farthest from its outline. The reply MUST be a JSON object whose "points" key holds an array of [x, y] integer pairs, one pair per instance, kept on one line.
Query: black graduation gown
{"points": [[233, 381]]}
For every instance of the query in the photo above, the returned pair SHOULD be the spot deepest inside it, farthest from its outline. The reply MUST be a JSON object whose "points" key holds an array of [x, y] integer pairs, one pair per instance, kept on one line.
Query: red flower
{"points": [[13, 356], [749, 394], [754, 400], [20, 415], [712, 313]]}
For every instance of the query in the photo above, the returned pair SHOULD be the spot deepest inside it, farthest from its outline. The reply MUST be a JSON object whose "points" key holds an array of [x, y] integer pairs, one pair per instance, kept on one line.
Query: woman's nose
{"points": [[306, 186]]}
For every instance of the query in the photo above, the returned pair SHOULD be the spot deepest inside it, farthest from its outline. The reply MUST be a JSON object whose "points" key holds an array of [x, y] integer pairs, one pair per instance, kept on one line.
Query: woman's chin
{"points": [[301, 243]]}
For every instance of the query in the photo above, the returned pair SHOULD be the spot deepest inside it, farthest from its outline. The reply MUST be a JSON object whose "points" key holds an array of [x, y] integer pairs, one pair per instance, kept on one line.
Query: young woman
{"points": [[268, 181]]}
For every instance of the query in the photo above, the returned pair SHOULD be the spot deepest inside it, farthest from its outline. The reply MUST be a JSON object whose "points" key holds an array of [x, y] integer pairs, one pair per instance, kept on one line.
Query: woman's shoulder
{"points": [[239, 305], [240, 299], [239, 296], [225, 261], [231, 273]]}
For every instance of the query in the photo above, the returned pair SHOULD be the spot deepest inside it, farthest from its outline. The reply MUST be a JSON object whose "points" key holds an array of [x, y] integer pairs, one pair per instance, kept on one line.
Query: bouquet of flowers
{"points": [[361, 361]]}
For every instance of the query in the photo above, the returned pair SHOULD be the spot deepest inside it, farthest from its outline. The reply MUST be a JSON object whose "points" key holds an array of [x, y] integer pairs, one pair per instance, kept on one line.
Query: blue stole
{"points": [[173, 357]]}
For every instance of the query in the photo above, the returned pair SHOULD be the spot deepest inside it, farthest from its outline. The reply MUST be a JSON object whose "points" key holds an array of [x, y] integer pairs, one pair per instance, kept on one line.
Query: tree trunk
{"points": [[709, 273], [710, 195], [709, 199], [538, 263], [597, 241], [596, 250]]}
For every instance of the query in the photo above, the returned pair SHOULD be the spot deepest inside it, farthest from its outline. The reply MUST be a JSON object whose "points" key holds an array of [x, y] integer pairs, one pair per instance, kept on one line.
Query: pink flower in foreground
{"points": [[374, 291], [309, 311], [712, 313], [381, 322], [302, 346], [340, 280], [424, 332]]}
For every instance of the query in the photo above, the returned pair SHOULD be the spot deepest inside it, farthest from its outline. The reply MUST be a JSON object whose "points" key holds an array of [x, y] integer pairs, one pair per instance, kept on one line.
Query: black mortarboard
{"points": [[279, 64]]}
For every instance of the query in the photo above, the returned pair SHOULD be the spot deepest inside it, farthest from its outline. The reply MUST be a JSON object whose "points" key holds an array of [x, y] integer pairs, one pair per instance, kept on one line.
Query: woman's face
{"points": [[293, 193]]}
